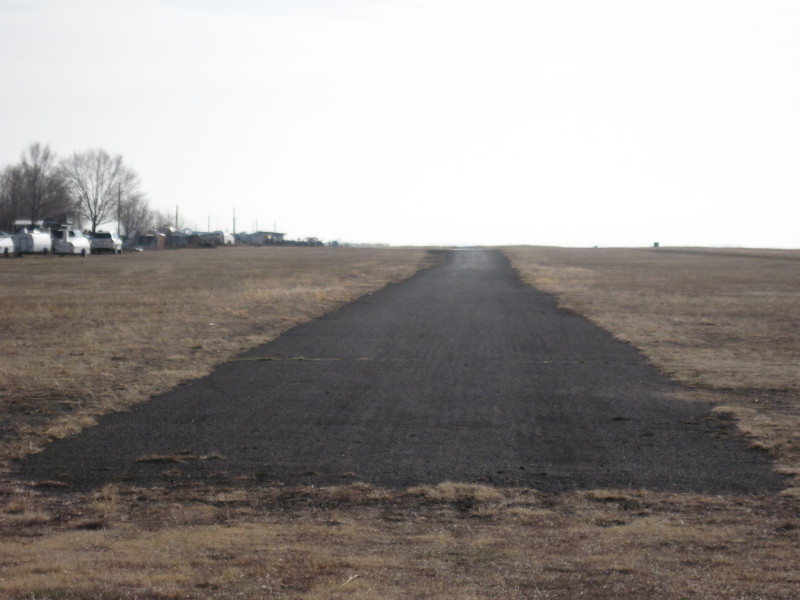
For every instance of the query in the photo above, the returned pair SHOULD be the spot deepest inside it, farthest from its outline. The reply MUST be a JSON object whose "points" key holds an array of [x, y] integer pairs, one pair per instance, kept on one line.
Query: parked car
{"points": [[71, 241], [32, 241], [6, 244], [104, 241]]}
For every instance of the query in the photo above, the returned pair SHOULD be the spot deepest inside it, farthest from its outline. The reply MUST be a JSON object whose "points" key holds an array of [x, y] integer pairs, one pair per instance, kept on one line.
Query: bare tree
{"points": [[10, 196], [98, 184], [33, 189], [43, 188], [166, 219], [135, 214]]}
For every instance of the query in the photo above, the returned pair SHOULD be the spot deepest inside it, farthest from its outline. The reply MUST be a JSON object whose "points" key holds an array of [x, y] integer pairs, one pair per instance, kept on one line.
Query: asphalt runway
{"points": [[460, 373]]}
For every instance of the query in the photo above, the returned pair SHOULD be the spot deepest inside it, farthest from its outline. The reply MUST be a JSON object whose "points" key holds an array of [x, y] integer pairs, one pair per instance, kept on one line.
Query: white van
{"points": [[71, 241]]}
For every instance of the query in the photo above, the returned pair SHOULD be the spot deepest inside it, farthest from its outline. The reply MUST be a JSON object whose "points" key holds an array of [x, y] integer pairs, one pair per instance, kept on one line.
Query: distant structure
{"points": [[48, 223], [261, 238]]}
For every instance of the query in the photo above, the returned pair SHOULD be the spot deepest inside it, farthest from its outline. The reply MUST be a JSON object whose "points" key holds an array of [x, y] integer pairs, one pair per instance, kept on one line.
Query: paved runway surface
{"points": [[461, 373]]}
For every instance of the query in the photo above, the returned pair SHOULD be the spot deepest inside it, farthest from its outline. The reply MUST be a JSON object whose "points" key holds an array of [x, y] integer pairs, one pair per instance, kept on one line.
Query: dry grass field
{"points": [[82, 337], [726, 323]]}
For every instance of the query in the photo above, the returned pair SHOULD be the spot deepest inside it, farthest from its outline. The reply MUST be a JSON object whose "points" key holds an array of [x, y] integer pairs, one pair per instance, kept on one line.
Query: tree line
{"points": [[93, 187]]}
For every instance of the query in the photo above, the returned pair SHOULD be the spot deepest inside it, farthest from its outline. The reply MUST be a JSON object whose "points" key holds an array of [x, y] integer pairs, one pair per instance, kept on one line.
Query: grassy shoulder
{"points": [[724, 319], [85, 337], [724, 322], [357, 541]]}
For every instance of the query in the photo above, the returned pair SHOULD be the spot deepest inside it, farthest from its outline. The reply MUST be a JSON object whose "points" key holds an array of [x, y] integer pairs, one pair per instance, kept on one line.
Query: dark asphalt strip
{"points": [[461, 373]]}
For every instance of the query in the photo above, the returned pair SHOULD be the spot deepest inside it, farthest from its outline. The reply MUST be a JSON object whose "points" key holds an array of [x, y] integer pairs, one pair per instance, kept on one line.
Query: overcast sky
{"points": [[574, 122]]}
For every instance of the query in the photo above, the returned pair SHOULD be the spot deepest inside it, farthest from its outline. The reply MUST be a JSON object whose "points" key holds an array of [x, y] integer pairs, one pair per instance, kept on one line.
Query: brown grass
{"points": [[447, 541], [725, 322], [85, 337], [363, 542], [716, 318]]}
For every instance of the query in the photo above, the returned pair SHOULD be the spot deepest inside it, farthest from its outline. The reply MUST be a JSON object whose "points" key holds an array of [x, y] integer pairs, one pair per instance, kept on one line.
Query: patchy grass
{"points": [[363, 542], [82, 338], [725, 322], [173, 320], [715, 318]]}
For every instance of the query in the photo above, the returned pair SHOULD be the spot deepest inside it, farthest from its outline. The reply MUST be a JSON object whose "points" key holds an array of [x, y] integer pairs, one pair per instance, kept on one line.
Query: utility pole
{"points": [[234, 220], [119, 207], [176, 217]]}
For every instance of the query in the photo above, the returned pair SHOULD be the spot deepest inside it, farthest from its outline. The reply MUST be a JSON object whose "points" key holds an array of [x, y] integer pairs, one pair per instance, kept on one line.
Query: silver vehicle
{"points": [[104, 241]]}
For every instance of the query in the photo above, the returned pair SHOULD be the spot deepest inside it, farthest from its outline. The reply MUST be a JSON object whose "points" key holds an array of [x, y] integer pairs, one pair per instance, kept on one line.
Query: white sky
{"points": [[570, 122]]}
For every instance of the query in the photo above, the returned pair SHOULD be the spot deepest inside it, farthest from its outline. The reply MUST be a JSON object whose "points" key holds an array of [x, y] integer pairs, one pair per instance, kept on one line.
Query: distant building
{"points": [[152, 241], [264, 238]]}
